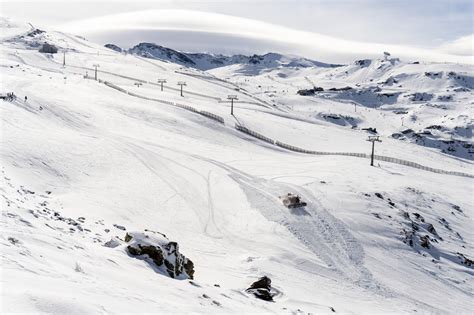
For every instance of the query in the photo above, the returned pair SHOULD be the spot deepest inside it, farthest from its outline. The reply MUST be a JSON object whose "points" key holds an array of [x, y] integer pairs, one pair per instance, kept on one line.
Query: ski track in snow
{"points": [[326, 236], [332, 242], [339, 255]]}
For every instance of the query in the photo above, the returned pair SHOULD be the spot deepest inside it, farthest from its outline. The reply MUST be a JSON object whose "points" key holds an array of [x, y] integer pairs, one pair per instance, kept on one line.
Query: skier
{"points": [[26, 98]]}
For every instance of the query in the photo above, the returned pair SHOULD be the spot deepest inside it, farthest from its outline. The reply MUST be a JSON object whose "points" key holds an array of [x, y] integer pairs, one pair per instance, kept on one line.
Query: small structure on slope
{"points": [[48, 49]]}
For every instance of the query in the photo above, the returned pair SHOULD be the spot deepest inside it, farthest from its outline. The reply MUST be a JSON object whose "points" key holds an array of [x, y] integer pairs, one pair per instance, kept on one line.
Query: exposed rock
{"points": [[421, 97], [35, 32], [363, 62], [405, 214], [430, 228], [13, 240], [425, 241], [370, 130], [346, 88], [309, 92], [379, 195], [113, 47], [390, 81], [434, 75], [466, 261], [262, 289], [114, 242], [120, 227], [164, 254], [408, 237], [189, 268], [154, 252], [418, 216], [128, 237], [445, 98]]}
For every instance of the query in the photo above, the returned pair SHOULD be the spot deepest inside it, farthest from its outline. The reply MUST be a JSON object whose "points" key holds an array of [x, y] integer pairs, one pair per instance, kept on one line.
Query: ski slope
{"points": [[81, 161]]}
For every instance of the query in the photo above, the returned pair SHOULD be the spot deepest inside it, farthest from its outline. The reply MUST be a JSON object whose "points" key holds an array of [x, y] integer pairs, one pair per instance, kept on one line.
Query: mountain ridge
{"points": [[207, 61]]}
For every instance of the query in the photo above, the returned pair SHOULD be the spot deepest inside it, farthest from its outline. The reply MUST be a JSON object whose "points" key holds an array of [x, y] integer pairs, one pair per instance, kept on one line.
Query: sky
{"points": [[414, 28]]}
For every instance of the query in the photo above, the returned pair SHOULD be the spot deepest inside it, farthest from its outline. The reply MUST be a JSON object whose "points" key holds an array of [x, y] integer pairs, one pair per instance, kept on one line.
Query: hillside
{"points": [[84, 162]]}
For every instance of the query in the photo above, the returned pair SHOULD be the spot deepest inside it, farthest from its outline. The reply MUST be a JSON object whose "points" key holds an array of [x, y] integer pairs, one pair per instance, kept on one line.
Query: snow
{"points": [[82, 161]]}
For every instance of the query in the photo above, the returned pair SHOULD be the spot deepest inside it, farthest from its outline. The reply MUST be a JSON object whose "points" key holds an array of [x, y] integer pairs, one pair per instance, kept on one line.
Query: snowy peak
{"points": [[150, 50], [206, 61]]}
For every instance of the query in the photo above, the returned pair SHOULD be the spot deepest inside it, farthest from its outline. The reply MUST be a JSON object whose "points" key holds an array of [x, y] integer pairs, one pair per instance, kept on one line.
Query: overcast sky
{"points": [[440, 24]]}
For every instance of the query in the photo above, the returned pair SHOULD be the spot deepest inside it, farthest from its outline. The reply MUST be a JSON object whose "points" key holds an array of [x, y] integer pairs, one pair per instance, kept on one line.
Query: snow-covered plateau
{"points": [[121, 197]]}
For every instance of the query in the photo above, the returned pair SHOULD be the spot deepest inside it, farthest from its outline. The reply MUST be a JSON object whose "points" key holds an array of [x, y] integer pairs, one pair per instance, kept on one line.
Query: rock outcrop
{"points": [[113, 47], [262, 289], [163, 254]]}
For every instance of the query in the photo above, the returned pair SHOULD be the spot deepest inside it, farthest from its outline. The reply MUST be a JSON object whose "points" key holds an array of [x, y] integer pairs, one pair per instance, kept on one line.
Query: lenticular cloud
{"points": [[239, 33]]}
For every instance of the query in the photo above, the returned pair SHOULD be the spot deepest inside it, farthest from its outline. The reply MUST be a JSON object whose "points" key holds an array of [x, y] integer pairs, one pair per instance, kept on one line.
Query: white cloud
{"points": [[240, 31], [463, 46]]}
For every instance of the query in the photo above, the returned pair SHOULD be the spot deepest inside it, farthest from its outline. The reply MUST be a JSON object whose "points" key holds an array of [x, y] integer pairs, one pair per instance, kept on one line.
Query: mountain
{"points": [[118, 196], [204, 61]]}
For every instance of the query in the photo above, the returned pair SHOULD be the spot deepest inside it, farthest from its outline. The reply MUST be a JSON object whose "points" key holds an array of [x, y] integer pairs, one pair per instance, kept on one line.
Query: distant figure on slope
{"points": [[26, 98]]}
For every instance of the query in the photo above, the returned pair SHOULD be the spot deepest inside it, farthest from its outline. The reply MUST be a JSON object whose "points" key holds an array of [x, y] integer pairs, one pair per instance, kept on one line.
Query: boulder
{"points": [[425, 241], [159, 251], [262, 289]]}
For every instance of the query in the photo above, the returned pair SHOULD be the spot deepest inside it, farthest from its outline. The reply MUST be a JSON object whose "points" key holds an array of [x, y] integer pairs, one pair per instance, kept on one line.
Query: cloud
{"points": [[463, 46], [193, 30]]}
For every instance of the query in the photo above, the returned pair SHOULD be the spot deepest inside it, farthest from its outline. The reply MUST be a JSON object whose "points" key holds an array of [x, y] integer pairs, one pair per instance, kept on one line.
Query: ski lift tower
{"points": [[232, 98], [181, 83], [95, 67], [161, 81], [373, 139]]}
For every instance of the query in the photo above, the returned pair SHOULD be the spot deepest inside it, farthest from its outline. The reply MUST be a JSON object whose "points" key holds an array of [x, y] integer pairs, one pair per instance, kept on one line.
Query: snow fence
{"points": [[254, 134], [389, 159], [183, 106]]}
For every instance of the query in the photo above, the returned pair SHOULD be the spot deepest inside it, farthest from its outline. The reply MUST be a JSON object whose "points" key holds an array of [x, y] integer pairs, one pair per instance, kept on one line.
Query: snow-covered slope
{"points": [[83, 163], [429, 104], [205, 61]]}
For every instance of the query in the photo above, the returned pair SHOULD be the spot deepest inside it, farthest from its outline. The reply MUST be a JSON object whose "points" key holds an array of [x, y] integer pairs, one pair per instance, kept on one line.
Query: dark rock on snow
{"points": [[113, 47], [262, 289], [163, 254]]}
